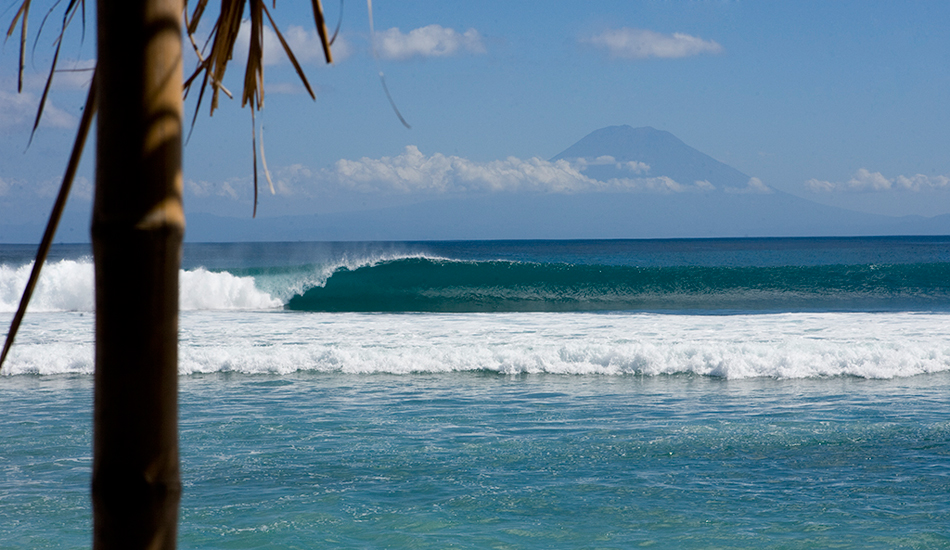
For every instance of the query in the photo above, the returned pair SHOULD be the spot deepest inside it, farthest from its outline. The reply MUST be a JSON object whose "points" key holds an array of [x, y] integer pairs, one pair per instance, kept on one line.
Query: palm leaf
{"points": [[290, 53], [71, 9], [24, 13], [213, 67]]}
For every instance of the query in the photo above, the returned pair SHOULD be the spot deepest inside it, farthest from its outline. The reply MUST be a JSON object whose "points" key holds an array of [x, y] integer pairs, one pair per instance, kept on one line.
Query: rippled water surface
{"points": [[481, 460]]}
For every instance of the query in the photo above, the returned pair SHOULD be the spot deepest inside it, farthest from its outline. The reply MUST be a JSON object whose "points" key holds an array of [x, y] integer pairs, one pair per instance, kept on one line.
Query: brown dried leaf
{"points": [[23, 12], [290, 54]]}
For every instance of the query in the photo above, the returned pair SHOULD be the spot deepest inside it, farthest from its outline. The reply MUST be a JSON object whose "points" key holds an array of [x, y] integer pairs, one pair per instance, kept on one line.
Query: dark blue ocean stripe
{"points": [[420, 284]]}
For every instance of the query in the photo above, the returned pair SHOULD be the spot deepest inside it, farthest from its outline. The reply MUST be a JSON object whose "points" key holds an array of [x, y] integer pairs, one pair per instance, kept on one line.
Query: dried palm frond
{"points": [[222, 40], [22, 15], [23, 12]]}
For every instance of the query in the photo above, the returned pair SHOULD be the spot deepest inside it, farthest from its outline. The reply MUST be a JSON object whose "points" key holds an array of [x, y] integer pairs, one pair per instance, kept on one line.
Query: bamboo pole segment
{"points": [[137, 231]]}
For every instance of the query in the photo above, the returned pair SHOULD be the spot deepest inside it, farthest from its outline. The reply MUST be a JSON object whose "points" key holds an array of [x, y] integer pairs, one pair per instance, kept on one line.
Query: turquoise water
{"points": [[727, 422], [529, 461]]}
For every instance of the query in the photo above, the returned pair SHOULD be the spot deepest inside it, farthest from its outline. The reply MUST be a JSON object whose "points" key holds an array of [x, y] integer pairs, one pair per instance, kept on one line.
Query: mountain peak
{"points": [[665, 154]]}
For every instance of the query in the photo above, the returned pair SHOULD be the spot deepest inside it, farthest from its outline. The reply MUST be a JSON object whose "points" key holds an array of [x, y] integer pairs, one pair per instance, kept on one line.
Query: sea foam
{"points": [[779, 346]]}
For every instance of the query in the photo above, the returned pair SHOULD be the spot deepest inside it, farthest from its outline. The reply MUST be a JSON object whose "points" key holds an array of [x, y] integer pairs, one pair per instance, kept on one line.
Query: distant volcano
{"points": [[663, 153]]}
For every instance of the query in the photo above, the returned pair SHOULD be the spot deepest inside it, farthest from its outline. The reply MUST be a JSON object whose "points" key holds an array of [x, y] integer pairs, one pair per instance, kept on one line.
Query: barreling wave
{"points": [[440, 285], [417, 283]]}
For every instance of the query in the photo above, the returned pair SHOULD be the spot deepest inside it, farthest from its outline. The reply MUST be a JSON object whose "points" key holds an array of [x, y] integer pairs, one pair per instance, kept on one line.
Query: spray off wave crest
{"points": [[65, 285], [68, 285]]}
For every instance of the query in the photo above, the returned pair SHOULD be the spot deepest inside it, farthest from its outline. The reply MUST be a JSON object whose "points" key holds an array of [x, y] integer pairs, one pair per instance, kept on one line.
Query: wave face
{"points": [[422, 284]]}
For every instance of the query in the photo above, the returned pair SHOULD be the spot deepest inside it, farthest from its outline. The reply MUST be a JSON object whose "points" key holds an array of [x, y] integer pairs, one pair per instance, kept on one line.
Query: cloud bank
{"points": [[429, 41], [626, 43], [414, 172], [866, 181]]}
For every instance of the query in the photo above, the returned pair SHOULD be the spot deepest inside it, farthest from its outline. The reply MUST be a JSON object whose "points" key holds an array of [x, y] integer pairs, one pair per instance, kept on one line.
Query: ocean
{"points": [[694, 393]]}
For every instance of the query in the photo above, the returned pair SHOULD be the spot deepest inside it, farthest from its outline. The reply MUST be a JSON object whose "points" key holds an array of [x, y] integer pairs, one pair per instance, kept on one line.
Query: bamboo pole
{"points": [[137, 231]]}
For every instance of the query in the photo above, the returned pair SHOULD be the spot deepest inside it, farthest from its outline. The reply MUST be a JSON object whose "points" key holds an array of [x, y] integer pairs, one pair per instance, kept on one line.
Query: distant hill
{"points": [[725, 203]]}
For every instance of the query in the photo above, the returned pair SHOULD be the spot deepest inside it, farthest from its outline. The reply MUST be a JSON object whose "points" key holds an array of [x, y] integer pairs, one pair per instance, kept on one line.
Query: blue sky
{"points": [[844, 103]]}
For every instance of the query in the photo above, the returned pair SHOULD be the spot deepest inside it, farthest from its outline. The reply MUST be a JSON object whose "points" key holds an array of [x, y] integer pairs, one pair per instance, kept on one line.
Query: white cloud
{"points": [[754, 186], [4, 187], [19, 111], [629, 43], [306, 45], [207, 189], [819, 186], [661, 184], [303, 42], [429, 41], [83, 187], [866, 181], [291, 179], [636, 167], [413, 172], [920, 181]]}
